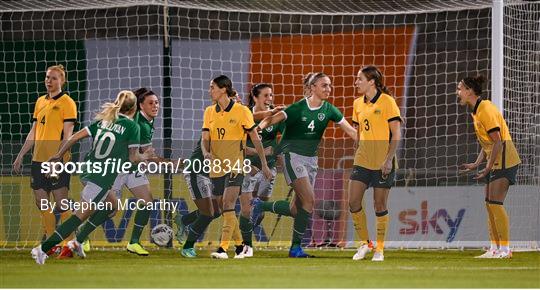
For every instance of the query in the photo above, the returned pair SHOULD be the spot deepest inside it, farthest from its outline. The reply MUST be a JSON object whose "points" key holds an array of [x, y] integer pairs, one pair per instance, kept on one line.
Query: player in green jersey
{"points": [[116, 141], [305, 123], [255, 184], [192, 225], [136, 182]]}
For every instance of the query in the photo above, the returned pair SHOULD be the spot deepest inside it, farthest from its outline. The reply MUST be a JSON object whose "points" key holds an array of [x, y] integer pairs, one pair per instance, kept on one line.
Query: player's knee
{"points": [[380, 207], [354, 208], [245, 211]]}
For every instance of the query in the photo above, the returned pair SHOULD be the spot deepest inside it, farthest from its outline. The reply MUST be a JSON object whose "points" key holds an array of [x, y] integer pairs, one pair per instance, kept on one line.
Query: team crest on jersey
{"points": [[232, 121], [56, 108], [304, 119], [299, 169], [321, 116], [377, 112], [269, 129]]}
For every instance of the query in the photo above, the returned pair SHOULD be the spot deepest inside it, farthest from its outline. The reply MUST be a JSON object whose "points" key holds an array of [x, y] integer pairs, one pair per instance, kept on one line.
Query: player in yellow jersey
{"points": [[502, 162], [54, 118], [378, 119], [225, 125]]}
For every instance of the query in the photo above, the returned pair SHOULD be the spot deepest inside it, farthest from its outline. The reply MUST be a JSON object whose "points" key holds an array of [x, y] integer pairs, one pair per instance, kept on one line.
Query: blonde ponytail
{"points": [[125, 101]]}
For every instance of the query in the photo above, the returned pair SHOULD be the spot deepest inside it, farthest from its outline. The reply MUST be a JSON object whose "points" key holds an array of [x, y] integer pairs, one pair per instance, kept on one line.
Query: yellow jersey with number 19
{"points": [[227, 128]]}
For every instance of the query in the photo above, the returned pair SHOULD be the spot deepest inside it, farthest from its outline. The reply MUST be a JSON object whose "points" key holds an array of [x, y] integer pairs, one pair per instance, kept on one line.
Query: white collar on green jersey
{"points": [[313, 109], [150, 120]]}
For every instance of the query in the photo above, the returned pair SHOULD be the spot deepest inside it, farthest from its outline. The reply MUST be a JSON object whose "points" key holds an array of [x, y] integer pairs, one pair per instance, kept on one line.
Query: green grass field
{"points": [[270, 269]]}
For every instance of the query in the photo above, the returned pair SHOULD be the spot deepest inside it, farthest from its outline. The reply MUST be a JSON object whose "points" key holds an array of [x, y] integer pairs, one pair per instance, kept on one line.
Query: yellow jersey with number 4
{"points": [[50, 114]]}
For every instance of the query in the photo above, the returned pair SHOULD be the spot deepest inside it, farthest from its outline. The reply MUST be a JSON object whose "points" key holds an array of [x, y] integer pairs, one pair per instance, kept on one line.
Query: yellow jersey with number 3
{"points": [[50, 114], [372, 118], [488, 119], [227, 128]]}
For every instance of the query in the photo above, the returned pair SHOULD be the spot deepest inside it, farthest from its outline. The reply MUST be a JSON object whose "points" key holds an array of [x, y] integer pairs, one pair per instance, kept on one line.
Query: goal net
{"points": [[176, 47]]}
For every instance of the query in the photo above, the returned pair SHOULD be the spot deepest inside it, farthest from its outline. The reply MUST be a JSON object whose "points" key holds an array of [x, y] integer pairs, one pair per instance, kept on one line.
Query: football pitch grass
{"points": [[271, 269]]}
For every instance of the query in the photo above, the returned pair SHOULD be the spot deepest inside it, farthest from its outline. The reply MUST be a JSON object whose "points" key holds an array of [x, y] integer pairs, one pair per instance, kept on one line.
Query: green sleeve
{"points": [[335, 115], [146, 135], [293, 113], [134, 134], [281, 127], [92, 129]]}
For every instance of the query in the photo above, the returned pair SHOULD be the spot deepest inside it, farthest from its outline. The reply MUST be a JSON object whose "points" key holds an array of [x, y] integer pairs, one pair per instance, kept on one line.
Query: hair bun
{"points": [[480, 79]]}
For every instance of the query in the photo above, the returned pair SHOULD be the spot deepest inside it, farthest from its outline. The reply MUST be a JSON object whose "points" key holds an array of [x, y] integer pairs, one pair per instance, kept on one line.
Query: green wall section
{"points": [[22, 75]]}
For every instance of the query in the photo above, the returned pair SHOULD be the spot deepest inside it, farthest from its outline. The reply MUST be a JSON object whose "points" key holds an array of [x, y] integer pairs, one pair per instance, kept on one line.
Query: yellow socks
{"points": [[64, 217], [360, 225], [382, 223], [492, 229], [48, 222], [502, 223], [230, 224]]}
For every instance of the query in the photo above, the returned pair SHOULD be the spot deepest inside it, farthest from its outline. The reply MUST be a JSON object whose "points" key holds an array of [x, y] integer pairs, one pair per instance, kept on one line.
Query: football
{"points": [[161, 235]]}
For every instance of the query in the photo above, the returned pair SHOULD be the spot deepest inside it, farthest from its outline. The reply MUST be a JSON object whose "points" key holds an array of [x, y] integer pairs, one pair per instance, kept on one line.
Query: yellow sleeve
{"points": [[391, 110], [70, 110], [247, 120], [488, 119], [207, 118], [355, 112], [37, 109]]}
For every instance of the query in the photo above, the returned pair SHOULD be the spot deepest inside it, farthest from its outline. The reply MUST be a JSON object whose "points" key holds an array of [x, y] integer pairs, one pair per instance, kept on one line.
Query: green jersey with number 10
{"points": [[304, 126], [110, 141]]}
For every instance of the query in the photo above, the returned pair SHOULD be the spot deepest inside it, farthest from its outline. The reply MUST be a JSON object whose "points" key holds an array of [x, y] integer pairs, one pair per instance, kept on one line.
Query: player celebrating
{"points": [[225, 124], [115, 136], [54, 118], [136, 182], [260, 102], [192, 225], [502, 162], [305, 123], [377, 116]]}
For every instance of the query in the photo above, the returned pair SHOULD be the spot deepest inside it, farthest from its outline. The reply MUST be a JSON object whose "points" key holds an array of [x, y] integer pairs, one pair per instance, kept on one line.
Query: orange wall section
{"points": [[283, 60]]}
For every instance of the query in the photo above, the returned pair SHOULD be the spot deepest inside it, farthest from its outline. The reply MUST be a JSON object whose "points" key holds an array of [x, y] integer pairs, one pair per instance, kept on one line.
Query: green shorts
{"points": [[220, 183], [508, 173], [373, 178]]}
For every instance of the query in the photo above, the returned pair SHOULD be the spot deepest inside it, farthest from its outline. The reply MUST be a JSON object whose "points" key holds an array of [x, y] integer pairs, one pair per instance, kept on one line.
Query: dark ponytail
{"points": [[474, 83], [372, 73]]}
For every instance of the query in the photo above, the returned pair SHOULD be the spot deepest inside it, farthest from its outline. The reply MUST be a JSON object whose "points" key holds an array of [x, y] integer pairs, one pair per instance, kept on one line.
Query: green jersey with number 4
{"points": [[110, 141], [304, 127]]}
